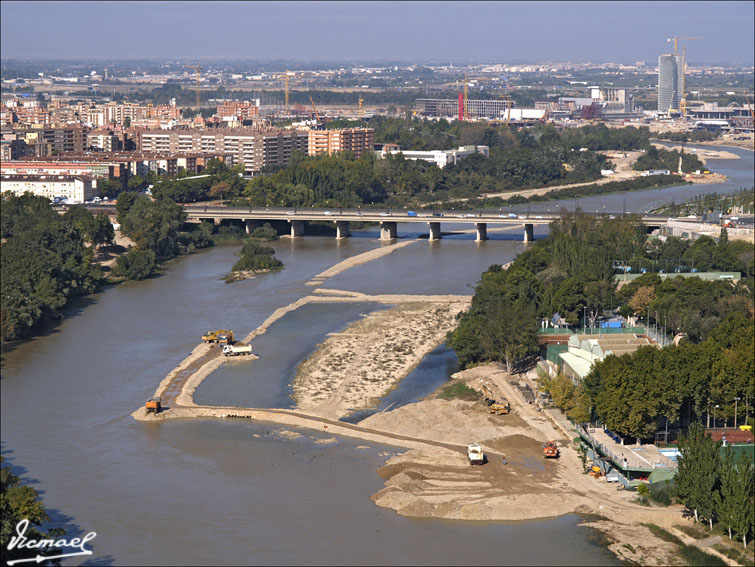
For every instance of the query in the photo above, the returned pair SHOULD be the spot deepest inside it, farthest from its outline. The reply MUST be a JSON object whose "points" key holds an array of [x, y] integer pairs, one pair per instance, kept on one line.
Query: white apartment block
{"points": [[72, 189]]}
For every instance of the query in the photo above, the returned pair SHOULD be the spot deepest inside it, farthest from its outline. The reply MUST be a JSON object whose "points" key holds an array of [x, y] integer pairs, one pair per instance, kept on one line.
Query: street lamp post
{"points": [[714, 415], [584, 320], [736, 400]]}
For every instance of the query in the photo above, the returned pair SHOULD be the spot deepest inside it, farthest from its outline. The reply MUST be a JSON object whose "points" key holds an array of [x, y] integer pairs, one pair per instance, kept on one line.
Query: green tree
{"points": [[102, 230], [136, 183], [256, 257], [136, 264], [19, 502], [697, 476]]}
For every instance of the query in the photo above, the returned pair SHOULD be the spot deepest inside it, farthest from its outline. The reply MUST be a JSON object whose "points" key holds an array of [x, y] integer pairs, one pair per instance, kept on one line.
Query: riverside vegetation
{"points": [[571, 272], [19, 501]]}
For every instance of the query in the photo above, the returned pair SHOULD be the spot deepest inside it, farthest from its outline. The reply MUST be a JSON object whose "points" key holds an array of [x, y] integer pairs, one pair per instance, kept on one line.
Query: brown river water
{"points": [[206, 492]]}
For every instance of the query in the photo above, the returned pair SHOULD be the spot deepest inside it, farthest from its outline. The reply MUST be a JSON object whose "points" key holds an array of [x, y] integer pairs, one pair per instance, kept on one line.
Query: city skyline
{"points": [[369, 31]]}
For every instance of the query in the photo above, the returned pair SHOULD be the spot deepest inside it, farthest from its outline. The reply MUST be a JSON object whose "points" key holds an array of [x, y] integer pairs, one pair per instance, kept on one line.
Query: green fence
{"points": [[593, 331], [552, 352]]}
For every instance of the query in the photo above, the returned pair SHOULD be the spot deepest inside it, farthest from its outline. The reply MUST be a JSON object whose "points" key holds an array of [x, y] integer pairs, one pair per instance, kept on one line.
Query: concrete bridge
{"points": [[388, 220]]}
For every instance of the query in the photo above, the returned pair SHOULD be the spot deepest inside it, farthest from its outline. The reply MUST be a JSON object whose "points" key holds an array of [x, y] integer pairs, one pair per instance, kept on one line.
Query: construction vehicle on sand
{"points": [[212, 336], [495, 407], [237, 350], [550, 450], [475, 454], [499, 408], [154, 405], [225, 338]]}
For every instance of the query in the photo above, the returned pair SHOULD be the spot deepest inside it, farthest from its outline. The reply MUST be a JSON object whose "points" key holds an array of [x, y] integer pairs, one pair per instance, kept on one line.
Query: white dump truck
{"points": [[475, 454], [237, 350]]}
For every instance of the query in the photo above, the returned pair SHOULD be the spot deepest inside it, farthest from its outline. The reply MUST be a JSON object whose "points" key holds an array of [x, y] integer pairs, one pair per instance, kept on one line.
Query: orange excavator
{"points": [[550, 450]]}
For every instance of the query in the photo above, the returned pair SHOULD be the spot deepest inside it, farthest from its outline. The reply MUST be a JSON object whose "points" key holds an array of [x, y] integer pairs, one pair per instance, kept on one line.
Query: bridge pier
{"points": [[482, 231], [342, 229], [217, 220], [434, 231], [529, 234], [387, 230], [250, 225], [297, 228]]}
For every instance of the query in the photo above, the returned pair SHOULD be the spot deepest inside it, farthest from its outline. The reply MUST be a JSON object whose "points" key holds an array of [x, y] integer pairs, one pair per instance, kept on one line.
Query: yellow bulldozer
{"points": [[499, 408]]}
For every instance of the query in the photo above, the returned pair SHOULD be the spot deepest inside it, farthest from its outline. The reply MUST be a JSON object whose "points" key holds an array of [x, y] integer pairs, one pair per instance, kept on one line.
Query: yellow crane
{"points": [[465, 114], [361, 100], [197, 68], [288, 75], [683, 98], [676, 41], [507, 98]]}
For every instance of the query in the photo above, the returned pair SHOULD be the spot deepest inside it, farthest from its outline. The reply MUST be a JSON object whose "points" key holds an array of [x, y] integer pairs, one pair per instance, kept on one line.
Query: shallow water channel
{"points": [[232, 492]]}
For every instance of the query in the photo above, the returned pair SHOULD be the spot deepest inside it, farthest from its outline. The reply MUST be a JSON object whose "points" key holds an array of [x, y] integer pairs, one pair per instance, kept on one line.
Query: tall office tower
{"points": [[669, 82]]}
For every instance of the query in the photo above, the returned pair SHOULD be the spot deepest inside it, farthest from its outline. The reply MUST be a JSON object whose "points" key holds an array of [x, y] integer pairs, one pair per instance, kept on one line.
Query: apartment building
{"points": [[475, 108], [61, 139], [356, 140], [103, 140], [73, 189], [240, 111], [32, 115], [252, 147]]}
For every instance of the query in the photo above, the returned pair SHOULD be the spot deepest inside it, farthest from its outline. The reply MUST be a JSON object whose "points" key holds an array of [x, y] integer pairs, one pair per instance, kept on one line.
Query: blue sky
{"points": [[404, 31]]}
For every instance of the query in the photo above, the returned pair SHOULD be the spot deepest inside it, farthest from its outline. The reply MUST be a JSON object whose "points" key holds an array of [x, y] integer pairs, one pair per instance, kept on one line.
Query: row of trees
{"points": [[45, 261], [717, 488], [635, 394]]}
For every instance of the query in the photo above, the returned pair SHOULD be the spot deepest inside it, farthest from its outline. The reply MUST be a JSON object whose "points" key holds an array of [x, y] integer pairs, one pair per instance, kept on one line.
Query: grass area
{"points": [[733, 549], [695, 531], [690, 555], [735, 554], [458, 390]]}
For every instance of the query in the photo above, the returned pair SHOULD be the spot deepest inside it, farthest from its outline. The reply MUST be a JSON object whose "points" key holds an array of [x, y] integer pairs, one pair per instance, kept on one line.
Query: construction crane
{"points": [[683, 98], [676, 41], [197, 68], [288, 75], [317, 116], [361, 100], [752, 112]]}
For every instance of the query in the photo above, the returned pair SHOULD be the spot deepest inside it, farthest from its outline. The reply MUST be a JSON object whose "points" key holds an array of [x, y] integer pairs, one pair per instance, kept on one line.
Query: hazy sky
{"points": [[405, 31]]}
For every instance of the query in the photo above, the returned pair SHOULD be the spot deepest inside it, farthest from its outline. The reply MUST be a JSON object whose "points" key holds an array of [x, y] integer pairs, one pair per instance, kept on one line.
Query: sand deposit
{"points": [[357, 260], [353, 369]]}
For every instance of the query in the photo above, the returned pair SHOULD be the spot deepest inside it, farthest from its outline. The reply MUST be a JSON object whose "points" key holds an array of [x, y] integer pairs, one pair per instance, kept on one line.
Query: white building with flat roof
{"points": [[72, 189], [441, 158]]}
